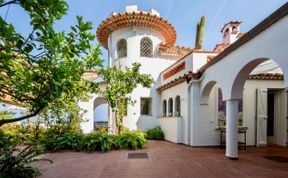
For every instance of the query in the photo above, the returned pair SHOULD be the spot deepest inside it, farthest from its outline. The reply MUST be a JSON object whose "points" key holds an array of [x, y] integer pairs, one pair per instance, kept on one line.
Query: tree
{"points": [[200, 33], [43, 70], [120, 83], [6, 114]]}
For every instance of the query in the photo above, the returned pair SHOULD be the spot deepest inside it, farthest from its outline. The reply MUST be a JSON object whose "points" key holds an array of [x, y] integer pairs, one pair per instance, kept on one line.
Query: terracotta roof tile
{"points": [[135, 19], [267, 76], [170, 50], [180, 79]]}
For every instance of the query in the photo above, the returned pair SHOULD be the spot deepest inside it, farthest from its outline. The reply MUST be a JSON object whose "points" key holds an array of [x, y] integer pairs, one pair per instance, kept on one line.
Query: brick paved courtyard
{"points": [[166, 160]]}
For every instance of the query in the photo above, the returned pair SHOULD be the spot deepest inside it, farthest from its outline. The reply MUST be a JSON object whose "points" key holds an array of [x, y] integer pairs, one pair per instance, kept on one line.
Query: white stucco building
{"points": [[197, 91]]}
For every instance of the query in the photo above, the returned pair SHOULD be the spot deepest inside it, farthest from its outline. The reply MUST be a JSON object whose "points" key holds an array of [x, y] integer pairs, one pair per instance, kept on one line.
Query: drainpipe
{"points": [[189, 119]]}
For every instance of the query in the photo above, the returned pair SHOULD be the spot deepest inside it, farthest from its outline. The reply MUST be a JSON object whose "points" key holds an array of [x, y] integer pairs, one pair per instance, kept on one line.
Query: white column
{"points": [[231, 129]]}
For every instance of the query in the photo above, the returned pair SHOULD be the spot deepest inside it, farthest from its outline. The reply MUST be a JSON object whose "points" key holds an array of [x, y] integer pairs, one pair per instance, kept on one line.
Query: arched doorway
{"points": [[260, 84], [100, 113]]}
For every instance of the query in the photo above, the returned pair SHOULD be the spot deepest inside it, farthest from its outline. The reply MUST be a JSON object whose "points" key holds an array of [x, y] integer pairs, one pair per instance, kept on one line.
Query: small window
{"points": [[177, 106], [122, 48], [170, 110], [146, 106], [164, 108], [146, 47], [234, 30]]}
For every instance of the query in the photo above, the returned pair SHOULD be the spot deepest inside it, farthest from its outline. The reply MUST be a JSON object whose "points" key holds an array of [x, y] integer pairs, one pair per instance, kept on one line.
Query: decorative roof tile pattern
{"points": [[191, 75], [220, 47], [170, 50], [135, 19], [267, 76], [174, 71], [184, 78]]}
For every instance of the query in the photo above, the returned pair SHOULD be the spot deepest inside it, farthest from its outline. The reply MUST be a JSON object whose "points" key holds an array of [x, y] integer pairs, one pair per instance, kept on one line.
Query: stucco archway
{"points": [[242, 75], [205, 93], [100, 109]]}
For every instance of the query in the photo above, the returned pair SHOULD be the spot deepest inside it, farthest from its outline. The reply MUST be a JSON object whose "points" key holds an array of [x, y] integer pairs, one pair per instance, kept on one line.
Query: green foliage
{"points": [[24, 134], [6, 114], [14, 162], [59, 137], [66, 141], [119, 84], [97, 141], [200, 33], [44, 69], [155, 134], [7, 141], [132, 139], [100, 141]]}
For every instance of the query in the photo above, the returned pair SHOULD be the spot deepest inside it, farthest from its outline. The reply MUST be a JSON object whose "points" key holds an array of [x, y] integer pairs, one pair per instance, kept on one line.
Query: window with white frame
{"points": [[170, 107], [146, 47], [146, 106], [177, 106], [164, 105], [122, 48]]}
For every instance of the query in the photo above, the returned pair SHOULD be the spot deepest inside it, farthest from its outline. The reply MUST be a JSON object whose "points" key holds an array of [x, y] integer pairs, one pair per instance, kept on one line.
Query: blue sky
{"points": [[182, 14]]}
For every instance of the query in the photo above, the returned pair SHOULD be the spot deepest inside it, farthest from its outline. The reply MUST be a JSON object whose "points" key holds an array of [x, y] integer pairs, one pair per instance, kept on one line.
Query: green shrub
{"points": [[57, 138], [15, 162], [97, 141], [155, 134], [7, 141], [132, 139], [116, 142], [101, 141], [25, 134], [64, 141]]}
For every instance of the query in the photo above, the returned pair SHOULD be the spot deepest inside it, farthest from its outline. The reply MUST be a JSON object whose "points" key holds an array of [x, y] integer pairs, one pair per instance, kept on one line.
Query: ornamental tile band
{"points": [[174, 71]]}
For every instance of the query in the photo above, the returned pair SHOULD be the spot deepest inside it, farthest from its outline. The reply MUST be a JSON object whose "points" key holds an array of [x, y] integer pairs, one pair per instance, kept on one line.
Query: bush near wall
{"points": [[57, 138], [155, 134]]}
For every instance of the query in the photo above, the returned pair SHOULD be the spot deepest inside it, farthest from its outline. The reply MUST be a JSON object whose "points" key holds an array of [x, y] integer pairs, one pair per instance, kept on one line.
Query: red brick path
{"points": [[166, 160]]}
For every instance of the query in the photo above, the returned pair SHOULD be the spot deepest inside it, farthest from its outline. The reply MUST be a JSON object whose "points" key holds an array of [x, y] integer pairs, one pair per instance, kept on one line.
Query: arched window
{"points": [[234, 30], [146, 47], [121, 48], [164, 108], [170, 109], [177, 106]]}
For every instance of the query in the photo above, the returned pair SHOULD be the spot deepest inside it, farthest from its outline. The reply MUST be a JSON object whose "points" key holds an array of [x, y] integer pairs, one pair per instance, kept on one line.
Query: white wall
{"points": [[269, 44], [205, 117], [88, 117], [205, 121], [200, 59], [173, 126], [193, 62], [152, 66], [249, 109]]}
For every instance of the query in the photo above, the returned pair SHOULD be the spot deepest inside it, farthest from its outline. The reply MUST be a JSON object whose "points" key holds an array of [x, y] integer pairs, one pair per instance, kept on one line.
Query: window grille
{"points": [[170, 110], [164, 108], [177, 106], [146, 106], [122, 48], [146, 47]]}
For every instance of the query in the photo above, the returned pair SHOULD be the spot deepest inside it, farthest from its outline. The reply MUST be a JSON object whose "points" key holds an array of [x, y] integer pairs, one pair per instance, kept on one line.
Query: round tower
{"points": [[134, 36]]}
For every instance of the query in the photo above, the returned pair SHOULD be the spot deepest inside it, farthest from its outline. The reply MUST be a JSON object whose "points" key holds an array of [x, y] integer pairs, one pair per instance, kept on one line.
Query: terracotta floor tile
{"points": [[166, 159]]}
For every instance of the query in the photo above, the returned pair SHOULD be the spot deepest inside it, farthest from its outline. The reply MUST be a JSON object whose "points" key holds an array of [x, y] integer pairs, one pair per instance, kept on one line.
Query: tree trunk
{"points": [[4, 121]]}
